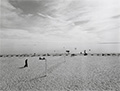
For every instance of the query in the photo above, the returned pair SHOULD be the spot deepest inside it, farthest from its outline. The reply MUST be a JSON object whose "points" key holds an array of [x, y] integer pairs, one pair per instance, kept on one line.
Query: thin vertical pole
{"points": [[65, 57], [45, 74], [45, 67]]}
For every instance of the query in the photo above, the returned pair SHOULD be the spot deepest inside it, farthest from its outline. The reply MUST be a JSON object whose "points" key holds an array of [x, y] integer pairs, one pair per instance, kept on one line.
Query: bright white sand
{"points": [[73, 74]]}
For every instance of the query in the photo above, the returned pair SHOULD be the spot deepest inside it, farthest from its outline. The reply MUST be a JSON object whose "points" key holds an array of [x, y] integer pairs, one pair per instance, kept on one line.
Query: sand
{"points": [[79, 73]]}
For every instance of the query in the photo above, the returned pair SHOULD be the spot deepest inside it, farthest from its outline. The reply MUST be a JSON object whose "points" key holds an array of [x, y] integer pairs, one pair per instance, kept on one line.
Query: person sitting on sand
{"points": [[26, 63]]}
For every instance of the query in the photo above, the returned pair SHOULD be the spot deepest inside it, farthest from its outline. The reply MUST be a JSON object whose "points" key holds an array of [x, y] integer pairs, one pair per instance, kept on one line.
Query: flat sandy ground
{"points": [[79, 73]]}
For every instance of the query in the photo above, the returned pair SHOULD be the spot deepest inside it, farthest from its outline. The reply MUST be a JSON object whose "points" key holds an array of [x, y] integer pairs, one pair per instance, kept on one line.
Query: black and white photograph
{"points": [[59, 45]]}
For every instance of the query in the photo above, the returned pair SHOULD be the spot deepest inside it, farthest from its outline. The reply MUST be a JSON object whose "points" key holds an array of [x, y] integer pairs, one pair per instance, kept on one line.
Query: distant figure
{"points": [[89, 49], [26, 63], [68, 51], [119, 54], [48, 54], [103, 54], [73, 55], [98, 54], [80, 52], [85, 54], [41, 58], [108, 54]]}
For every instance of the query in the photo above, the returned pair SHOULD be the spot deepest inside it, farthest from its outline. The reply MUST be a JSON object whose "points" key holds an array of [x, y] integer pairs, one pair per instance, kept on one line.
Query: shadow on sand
{"points": [[22, 67]]}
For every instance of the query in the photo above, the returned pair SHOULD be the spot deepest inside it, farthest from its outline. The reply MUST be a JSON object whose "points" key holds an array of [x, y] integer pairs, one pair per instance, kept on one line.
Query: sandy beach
{"points": [[79, 73]]}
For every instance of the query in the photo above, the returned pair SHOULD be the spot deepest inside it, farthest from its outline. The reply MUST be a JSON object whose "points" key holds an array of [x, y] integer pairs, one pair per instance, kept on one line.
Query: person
{"points": [[26, 63], [85, 53]]}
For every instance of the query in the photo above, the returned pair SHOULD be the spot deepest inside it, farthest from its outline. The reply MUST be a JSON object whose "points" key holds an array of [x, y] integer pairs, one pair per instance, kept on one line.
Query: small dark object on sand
{"points": [[103, 54], [73, 55], [41, 58], [26, 64], [85, 54]]}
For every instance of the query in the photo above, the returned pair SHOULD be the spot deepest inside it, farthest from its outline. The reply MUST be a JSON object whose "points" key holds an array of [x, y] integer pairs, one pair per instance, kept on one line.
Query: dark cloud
{"points": [[32, 6]]}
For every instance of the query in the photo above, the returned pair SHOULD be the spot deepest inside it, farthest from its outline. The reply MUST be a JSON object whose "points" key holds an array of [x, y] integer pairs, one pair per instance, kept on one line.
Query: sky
{"points": [[40, 26]]}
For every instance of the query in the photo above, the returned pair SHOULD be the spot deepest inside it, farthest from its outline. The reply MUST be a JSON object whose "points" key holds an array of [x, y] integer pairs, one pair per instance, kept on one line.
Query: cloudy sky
{"points": [[29, 26]]}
